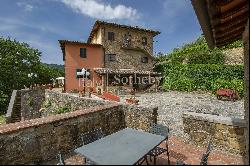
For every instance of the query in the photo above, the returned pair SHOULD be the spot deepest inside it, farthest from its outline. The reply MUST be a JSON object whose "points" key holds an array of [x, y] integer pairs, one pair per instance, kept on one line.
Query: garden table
{"points": [[125, 147]]}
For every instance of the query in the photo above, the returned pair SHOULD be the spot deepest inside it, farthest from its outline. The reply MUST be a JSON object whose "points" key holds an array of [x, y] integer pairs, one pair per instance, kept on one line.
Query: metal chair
{"points": [[204, 157], [61, 159], [163, 131], [89, 137]]}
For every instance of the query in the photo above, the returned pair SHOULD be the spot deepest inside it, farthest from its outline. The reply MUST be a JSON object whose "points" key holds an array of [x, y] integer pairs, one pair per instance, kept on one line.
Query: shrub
{"points": [[236, 44], [2, 119], [61, 110], [206, 56], [46, 104], [182, 84], [190, 77]]}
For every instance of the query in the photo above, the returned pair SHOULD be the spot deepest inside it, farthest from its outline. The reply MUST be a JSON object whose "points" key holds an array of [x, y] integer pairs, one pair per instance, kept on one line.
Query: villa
{"points": [[112, 52]]}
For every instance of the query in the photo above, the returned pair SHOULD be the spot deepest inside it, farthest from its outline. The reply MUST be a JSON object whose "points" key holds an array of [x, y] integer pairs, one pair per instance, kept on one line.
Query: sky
{"points": [[41, 23]]}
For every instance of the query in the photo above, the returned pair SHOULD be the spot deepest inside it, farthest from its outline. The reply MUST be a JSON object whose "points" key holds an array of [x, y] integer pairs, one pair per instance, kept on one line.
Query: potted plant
{"points": [[132, 101], [80, 92], [50, 86]]}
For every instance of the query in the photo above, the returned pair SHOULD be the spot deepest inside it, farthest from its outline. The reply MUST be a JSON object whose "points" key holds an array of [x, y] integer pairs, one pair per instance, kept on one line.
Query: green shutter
{"points": [[83, 52]]}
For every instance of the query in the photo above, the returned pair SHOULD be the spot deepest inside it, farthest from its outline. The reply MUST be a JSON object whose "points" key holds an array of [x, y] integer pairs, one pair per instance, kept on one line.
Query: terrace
{"points": [[178, 151], [37, 140]]}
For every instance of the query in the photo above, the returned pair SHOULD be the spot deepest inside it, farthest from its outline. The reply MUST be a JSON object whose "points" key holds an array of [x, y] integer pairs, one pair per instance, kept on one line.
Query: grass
{"points": [[2, 119]]}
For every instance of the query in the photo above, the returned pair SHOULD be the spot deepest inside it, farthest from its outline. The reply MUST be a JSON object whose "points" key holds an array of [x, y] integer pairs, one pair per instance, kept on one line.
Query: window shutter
{"points": [[83, 52], [88, 70], [111, 36]]}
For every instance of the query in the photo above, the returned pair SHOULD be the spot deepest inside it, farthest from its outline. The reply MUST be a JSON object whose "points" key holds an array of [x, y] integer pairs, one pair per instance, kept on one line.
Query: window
{"points": [[144, 41], [127, 39], [112, 57], [144, 59], [83, 52], [111, 36]]}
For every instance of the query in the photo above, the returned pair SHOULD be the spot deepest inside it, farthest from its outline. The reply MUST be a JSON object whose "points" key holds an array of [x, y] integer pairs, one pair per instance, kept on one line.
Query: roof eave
{"points": [[204, 20], [98, 23]]}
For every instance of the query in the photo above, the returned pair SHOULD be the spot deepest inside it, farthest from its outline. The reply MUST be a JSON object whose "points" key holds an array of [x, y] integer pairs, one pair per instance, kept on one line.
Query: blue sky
{"points": [[41, 23]]}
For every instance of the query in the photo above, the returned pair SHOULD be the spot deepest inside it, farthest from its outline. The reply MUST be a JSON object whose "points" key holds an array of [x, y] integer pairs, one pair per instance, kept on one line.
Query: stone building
{"points": [[125, 59]]}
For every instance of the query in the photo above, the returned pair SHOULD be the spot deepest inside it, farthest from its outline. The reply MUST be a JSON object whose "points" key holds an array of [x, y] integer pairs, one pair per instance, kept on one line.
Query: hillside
{"points": [[55, 66], [197, 52]]}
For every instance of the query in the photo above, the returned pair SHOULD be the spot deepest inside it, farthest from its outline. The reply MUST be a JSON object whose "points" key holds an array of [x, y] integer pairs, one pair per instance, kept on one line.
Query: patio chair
{"points": [[60, 158], [89, 137], [204, 157], [163, 131]]}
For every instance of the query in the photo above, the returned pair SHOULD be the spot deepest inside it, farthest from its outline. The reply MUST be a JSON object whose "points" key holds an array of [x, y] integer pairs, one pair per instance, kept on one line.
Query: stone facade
{"points": [[225, 133], [127, 57]]}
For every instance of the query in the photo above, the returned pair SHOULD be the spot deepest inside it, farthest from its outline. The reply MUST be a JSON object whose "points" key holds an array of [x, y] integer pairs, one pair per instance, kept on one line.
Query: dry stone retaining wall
{"points": [[225, 133], [234, 56]]}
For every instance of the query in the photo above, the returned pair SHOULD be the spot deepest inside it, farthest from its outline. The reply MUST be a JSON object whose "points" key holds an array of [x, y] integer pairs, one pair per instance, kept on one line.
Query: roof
{"points": [[222, 21], [63, 42], [123, 71], [98, 23]]}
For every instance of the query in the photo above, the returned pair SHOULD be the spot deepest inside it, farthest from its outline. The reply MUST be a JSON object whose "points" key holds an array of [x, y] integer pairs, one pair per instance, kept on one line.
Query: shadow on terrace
{"points": [[38, 140]]}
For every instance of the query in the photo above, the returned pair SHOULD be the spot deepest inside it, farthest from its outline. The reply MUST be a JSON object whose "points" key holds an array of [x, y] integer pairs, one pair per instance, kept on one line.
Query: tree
{"points": [[17, 61]]}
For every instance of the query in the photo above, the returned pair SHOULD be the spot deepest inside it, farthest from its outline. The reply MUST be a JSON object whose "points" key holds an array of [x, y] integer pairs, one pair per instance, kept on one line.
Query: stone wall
{"points": [[226, 133], [55, 100], [234, 56], [36, 140], [139, 117], [32, 141], [31, 101]]}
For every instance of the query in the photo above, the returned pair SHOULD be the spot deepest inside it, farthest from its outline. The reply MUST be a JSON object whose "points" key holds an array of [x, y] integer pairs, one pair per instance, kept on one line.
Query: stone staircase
{"points": [[14, 110]]}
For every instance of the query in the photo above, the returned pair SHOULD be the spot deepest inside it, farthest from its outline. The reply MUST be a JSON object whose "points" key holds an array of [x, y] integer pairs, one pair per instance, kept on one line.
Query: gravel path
{"points": [[172, 104]]}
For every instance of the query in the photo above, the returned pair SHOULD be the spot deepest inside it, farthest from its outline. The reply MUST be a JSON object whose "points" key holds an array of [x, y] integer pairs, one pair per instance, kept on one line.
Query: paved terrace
{"points": [[178, 151], [172, 104]]}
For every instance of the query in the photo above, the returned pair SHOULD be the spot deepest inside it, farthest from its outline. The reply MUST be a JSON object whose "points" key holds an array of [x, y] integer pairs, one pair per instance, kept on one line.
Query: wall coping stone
{"points": [[215, 119], [13, 127], [47, 92]]}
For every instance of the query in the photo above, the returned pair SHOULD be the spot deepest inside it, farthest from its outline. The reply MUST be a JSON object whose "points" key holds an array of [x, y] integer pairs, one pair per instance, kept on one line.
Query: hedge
{"points": [[209, 77]]}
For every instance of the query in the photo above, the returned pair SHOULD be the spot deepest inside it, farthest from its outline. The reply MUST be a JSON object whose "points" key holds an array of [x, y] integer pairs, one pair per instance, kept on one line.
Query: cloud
{"points": [[27, 7], [173, 8], [99, 10]]}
